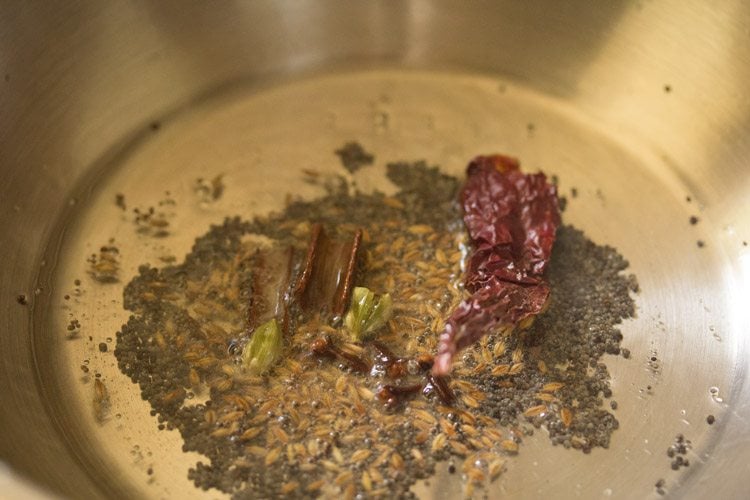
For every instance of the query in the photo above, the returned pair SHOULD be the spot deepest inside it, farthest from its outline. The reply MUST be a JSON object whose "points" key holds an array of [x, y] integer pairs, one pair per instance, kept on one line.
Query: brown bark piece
{"points": [[327, 277]]}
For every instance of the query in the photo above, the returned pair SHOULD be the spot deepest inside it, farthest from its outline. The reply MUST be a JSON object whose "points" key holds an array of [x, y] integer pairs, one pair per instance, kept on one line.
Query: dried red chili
{"points": [[511, 218]]}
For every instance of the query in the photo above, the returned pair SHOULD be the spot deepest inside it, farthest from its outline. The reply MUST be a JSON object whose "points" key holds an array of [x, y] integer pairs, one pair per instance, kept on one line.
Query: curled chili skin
{"points": [[511, 218]]}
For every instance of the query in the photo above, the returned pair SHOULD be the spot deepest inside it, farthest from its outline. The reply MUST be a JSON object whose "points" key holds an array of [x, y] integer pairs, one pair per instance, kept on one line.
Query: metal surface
{"points": [[638, 105]]}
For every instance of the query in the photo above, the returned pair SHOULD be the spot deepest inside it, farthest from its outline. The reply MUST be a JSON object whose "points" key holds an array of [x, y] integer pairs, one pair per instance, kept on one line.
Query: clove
{"points": [[323, 346], [392, 395], [439, 383]]}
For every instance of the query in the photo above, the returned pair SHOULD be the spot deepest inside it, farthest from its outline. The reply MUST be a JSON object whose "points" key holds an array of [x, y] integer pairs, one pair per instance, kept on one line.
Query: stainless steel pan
{"points": [[641, 105]]}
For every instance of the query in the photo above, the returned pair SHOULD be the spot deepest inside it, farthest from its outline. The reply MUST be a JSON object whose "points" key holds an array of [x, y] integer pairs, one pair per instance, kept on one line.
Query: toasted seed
{"points": [[194, 378], [487, 356], [578, 442], [495, 468], [171, 396], [360, 455], [390, 283], [294, 366], [542, 366], [486, 420], [290, 453], [494, 434], [343, 478], [160, 340], [272, 456], [316, 485], [407, 278], [439, 442], [447, 427], [268, 406], [330, 466], [437, 325], [466, 417], [101, 400], [516, 369], [100, 390], [206, 362], [393, 202], [397, 462], [544, 396], [350, 491], [461, 385], [202, 309], [475, 443], [470, 401], [228, 370], [413, 255], [434, 283], [382, 458], [280, 434], [375, 474], [341, 384], [258, 419], [501, 370], [336, 452], [257, 451], [441, 257], [499, 348], [223, 384], [353, 348], [353, 395], [475, 475], [478, 395], [422, 425], [425, 416], [469, 430], [191, 356], [209, 416], [251, 433], [397, 244], [221, 432], [417, 454], [535, 411], [242, 463], [423, 266], [469, 462], [231, 416], [420, 229], [566, 417], [526, 323], [487, 442], [294, 416], [459, 448], [552, 386], [366, 481], [289, 487], [517, 356], [509, 445]]}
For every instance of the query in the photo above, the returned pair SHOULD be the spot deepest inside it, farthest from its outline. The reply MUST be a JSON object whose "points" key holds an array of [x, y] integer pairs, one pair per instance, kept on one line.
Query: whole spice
{"points": [[368, 313], [324, 346], [270, 284], [315, 424], [512, 219], [326, 280], [263, 349]]}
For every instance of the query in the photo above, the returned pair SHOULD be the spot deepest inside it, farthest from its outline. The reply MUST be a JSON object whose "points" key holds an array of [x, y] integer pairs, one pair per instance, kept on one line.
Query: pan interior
{"points": [[260, 141]]}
